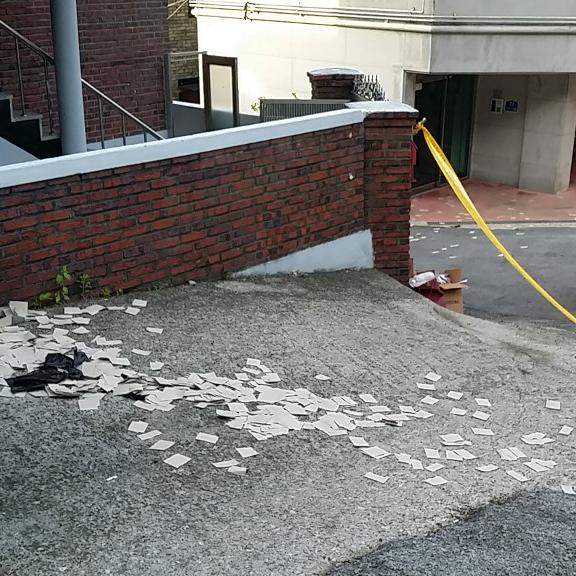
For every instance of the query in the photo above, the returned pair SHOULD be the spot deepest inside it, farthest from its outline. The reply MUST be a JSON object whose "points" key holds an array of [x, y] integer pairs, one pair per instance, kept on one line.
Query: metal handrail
{"points": [[146, 130]]}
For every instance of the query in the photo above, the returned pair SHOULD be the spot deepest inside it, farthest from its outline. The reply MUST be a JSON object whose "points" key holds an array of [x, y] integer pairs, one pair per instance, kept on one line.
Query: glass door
{"points": [[447, 104]]}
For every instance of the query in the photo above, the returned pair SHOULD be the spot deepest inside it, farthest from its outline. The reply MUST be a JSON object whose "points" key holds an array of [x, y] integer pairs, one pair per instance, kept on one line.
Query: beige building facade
{"points": [[495, 79]]}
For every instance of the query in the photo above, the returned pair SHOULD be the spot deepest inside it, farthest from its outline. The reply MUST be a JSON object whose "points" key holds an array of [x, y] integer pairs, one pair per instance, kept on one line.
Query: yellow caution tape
{"points": [[462, 195]]}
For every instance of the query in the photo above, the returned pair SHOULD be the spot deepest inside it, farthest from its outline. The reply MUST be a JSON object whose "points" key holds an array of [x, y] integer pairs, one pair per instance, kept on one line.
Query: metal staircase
{"points": [[25, 129]]}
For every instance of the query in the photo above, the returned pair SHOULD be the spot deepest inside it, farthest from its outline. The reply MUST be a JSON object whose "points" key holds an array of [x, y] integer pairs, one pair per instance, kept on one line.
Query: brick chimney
{"points": [[333, 83]]}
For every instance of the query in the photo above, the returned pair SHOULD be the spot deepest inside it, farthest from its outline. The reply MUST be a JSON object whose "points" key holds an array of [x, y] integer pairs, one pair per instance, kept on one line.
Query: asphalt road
{"points": [[494, 287], [532, 535]]}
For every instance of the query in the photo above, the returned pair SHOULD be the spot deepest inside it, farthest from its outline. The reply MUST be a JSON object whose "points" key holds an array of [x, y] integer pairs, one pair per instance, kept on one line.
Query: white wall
{"points": [[274, 57], [10, 154], [497, 138], [504, 7]]}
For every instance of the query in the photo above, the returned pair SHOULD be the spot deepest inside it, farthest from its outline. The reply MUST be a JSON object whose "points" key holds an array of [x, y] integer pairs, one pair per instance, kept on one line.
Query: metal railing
{"points": [[147, 131]]}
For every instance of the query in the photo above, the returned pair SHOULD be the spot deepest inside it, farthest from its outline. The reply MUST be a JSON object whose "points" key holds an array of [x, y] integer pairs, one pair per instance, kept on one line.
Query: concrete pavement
{"points": [[304, 506]]}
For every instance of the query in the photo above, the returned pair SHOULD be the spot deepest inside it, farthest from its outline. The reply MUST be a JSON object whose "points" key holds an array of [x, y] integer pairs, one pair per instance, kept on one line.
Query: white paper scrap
{"points": [[375, 452], [433, 377], [154, 330], [138, 426], [536, 466], [570, 490], [430, 400], [238, 470], [359, 441], [482, 432], [368, 398], [432, 453], [479, 415], [225, 464], [483, 402], [140, 303], [81, 330], [517, 476], [436, 481], [435, 466], [161, 445], [210, 438], [247, 452], [566, 430], [139, 352], [90, 401], [425, 386], [553, 404], [132, 311], [458, 411], [322, 377], [155, 366], [376, 477], [149, 435], [487, 468], [177, 460], [454, 395]]}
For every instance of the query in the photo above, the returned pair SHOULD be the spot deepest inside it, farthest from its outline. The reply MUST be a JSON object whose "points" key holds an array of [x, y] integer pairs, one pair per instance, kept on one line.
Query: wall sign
{"points": [[511, 106]]}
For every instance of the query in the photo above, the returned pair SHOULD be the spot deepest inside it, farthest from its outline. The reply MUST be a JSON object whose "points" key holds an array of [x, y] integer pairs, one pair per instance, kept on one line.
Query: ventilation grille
{"points": [[293, 108]]}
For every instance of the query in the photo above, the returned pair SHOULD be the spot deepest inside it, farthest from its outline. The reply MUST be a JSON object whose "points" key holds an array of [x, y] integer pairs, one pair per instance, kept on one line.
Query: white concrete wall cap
{"points": [[335, 72], [374, 107], [53, 168]]}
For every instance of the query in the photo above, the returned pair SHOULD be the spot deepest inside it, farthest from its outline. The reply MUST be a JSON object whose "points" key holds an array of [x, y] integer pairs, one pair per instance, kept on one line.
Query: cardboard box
{"points": [[453, 291]]}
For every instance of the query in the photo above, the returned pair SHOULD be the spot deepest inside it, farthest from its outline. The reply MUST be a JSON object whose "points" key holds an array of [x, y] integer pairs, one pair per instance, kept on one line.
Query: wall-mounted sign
{"points": [[497, 106], [511, 106]]}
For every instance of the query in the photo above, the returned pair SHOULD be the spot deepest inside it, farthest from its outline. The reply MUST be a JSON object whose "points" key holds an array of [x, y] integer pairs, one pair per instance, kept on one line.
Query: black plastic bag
{"points": [[56, 367]]}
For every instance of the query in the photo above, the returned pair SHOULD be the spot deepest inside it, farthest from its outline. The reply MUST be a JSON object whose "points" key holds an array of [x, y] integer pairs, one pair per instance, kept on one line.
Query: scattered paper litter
{"points": [[566, 430], [482, 432], [483, 402], [375, 452], [376, 477], [110, 478], [570, 490], [149, 435], [177, 460], [487, 468], [210, 438], [132, 311], [225, 464], [479, 415], [536, 438], [138, 426], [458, 411], [81, 330], [322, 377], [454, 395], [553, 404], [90, 401], [436, 481], [433, 377], [517, 476], [238, 470], [425, 386], [155, 366], [161, 445], [536, 466], [429, 400], [140, 303], [139, 352], [358, 441], [246, 452], [432, 453], [154, 330], [368, 398]]}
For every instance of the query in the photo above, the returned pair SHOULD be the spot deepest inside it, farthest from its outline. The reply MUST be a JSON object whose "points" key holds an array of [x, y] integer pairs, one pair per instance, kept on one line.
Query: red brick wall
{"points": [[194, 217], [387, 185], [121, 43]]}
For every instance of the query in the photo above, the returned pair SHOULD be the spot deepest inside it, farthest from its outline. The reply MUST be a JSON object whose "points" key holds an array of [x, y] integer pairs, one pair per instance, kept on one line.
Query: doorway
{"points": [[447, 104]]}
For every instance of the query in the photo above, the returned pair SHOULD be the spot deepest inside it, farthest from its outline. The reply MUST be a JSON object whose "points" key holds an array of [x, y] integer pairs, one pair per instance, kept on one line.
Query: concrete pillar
{"points": [[333, 83], [68, 75], [549, 128]]}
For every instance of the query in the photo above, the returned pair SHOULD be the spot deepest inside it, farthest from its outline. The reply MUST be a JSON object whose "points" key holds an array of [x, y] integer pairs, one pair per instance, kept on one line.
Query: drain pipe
{"points": [[68, 75]]}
